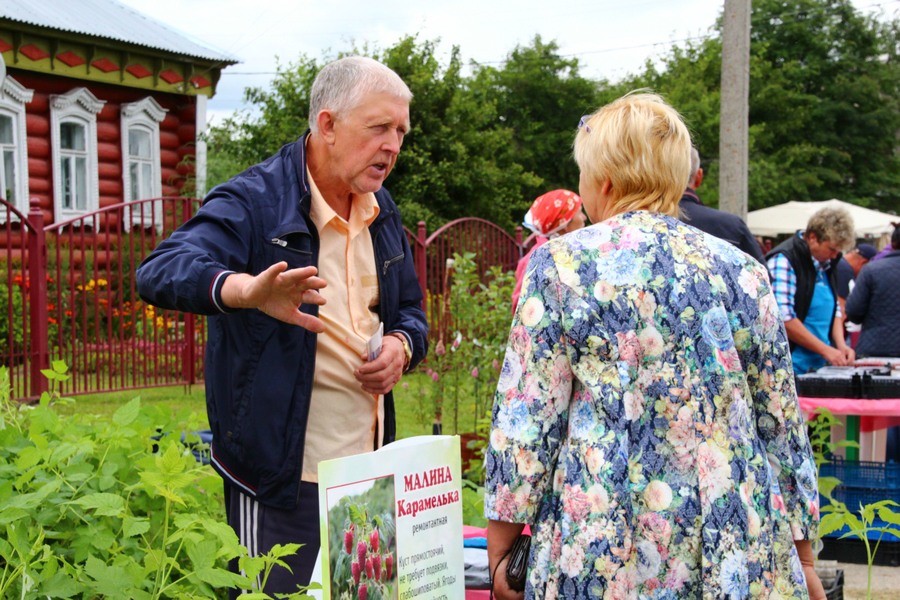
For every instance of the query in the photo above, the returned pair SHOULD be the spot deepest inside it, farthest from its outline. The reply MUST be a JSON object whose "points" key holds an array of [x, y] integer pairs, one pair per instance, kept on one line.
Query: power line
{"points": [[699, 38]]}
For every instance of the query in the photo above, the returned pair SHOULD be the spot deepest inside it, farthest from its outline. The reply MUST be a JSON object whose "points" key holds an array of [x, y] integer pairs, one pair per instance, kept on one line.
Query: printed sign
{"points": [[391, 522]]}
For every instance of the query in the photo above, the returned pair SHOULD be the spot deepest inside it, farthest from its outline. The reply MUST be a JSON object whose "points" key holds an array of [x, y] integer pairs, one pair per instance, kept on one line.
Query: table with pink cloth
{"points": [[874, 414]]}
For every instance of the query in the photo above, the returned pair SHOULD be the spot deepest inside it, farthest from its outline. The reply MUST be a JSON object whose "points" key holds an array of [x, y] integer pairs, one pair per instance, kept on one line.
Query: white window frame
{"points": [[146, 114], [81, 107], [13, 98]]}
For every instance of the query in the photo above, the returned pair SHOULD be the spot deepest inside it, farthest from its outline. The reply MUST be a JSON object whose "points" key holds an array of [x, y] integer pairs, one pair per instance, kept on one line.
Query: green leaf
{"points": [[105, 504], [172, 460], [28, 457], [827, 485], [889, 516], [132, 526], [102, 538], [60, 585], [202, 555], [220, 578], [10, 514], [830, 523], [107, 580], [126, 414]]}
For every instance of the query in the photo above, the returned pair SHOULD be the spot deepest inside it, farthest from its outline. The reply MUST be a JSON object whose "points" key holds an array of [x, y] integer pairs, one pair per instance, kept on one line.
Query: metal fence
{"points": [[68, 292]]}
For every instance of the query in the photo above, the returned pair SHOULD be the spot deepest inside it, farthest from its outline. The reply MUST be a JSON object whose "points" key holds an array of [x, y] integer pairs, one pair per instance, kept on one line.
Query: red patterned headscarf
{"points": [[552, 211]]}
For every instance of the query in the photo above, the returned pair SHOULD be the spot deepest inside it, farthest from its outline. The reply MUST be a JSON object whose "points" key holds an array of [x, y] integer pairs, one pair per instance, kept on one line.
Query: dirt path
{"points": [[885, 582]]}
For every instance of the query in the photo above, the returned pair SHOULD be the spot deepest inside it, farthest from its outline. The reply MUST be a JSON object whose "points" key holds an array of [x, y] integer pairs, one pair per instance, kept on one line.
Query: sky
{"points": [[611, 38]]}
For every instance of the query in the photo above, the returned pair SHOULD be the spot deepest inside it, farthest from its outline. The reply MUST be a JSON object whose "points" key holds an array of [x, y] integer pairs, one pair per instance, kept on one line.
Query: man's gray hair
{"points": [[695, 166], [341, 86]]}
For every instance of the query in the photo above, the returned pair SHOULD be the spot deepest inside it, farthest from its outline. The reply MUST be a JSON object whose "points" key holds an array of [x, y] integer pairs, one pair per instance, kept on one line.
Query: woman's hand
{"points": [[500, 539], [499, 584]]}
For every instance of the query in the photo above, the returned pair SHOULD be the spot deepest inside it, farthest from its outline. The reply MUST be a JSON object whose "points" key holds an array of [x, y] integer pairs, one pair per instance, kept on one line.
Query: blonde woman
{"points": [[645, 423]]}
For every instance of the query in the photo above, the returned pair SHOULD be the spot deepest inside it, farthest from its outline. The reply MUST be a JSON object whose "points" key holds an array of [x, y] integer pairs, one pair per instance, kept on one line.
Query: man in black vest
{"points": [[803, 270], [723, 225]]}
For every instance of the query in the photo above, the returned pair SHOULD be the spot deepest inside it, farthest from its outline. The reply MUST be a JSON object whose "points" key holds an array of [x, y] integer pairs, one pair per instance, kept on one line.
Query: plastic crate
{"points": [[836, 590], [877, 388], [853, 551], [816, 386], [200, 449], [853, 498], [874, 475]]}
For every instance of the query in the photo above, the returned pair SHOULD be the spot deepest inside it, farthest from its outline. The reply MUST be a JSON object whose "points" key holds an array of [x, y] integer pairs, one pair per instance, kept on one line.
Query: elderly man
{"points": [[723, 225], [299, 261], [803, 270]]}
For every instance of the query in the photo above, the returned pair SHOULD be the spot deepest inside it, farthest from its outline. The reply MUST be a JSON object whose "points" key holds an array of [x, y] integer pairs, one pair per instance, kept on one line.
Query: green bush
{"points": [[111, 507]]}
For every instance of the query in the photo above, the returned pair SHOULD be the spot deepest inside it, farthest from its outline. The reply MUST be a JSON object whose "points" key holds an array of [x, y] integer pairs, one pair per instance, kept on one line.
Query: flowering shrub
{"points": [[12, 314], [464, 360]]}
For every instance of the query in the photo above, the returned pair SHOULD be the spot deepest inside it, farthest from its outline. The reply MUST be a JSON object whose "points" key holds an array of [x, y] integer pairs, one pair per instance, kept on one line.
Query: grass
{"points": [[412, 399], [176, 398]]}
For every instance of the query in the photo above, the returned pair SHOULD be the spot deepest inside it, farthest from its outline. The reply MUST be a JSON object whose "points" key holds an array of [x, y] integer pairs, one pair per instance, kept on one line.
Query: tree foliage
{"points": [[824, 109], [486, 140]]}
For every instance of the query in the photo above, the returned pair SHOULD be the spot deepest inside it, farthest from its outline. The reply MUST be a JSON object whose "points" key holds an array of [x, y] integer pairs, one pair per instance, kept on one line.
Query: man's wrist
{"points": [[407, 349]]}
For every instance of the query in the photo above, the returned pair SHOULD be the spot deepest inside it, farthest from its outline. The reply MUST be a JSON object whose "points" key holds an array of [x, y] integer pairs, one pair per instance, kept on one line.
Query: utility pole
{"points": [[734, 110]]}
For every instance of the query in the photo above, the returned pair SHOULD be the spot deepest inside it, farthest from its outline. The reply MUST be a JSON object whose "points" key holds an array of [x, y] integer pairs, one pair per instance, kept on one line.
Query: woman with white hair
{"points": [[646, 424]]}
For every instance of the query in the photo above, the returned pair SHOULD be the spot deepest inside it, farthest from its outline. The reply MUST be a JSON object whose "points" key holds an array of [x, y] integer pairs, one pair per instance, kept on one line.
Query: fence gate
{"points": [[68, 292], [70, 295]]}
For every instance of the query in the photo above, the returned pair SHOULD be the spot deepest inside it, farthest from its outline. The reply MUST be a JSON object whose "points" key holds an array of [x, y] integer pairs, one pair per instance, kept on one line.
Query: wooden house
{"points": [[100, 105]]}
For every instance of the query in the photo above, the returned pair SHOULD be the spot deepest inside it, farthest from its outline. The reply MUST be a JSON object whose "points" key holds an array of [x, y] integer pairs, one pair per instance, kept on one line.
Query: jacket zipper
{"points": [[386, 265], [283, 244]]}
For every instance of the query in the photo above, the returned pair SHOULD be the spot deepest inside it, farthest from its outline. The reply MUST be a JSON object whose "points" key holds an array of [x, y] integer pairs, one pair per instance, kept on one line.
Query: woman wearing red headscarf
{"points": [[552, 214]]}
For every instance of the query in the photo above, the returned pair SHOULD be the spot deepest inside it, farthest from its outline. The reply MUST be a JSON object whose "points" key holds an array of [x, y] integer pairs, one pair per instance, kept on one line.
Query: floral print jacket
{"points": [[646, 423]]}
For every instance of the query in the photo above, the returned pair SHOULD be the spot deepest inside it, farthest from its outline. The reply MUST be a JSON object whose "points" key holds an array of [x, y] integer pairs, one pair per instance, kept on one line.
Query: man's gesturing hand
{"points": [[278, 292]]}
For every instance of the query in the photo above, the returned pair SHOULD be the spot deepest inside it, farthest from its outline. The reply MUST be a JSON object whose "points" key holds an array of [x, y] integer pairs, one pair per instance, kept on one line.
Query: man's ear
{"points": [[325, 120], [698, 178]]}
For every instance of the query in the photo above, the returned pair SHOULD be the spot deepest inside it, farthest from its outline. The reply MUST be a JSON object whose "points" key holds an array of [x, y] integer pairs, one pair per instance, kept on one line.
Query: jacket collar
{"points": [[691, 196]]}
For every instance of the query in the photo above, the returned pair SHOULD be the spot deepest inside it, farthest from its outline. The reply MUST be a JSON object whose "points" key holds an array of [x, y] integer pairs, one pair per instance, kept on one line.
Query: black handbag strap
{"points": [[494, 574]]}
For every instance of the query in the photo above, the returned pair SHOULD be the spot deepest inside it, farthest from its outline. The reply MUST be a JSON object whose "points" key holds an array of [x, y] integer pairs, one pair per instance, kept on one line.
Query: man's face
{"points": [[367, 141], [822, 251], [856, 260]]}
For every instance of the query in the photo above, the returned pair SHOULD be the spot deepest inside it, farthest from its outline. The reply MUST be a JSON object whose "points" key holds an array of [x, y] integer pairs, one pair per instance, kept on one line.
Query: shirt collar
{"points": [[363, 209]]}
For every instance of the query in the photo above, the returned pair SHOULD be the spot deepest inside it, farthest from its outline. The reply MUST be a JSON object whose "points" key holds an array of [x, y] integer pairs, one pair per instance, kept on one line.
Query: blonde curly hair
{"points": [[832, 225]]}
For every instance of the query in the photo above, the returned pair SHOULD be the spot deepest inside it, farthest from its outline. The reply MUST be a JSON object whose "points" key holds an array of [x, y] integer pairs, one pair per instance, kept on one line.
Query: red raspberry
{"points": [[369, 568], [373, 540], [348, 540], [355, 570], [376, 566], [388, 565], [361, 552], [363, 592]]}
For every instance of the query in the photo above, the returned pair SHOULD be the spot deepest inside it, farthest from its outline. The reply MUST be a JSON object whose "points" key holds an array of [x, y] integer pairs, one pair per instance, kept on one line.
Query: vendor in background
{"points": [[847, 270], [874, 304], [804, 275], [552, 214]]}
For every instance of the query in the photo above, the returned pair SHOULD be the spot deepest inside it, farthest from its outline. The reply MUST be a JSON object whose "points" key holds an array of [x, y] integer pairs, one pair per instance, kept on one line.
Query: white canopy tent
{"points": [[791, 216]]}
